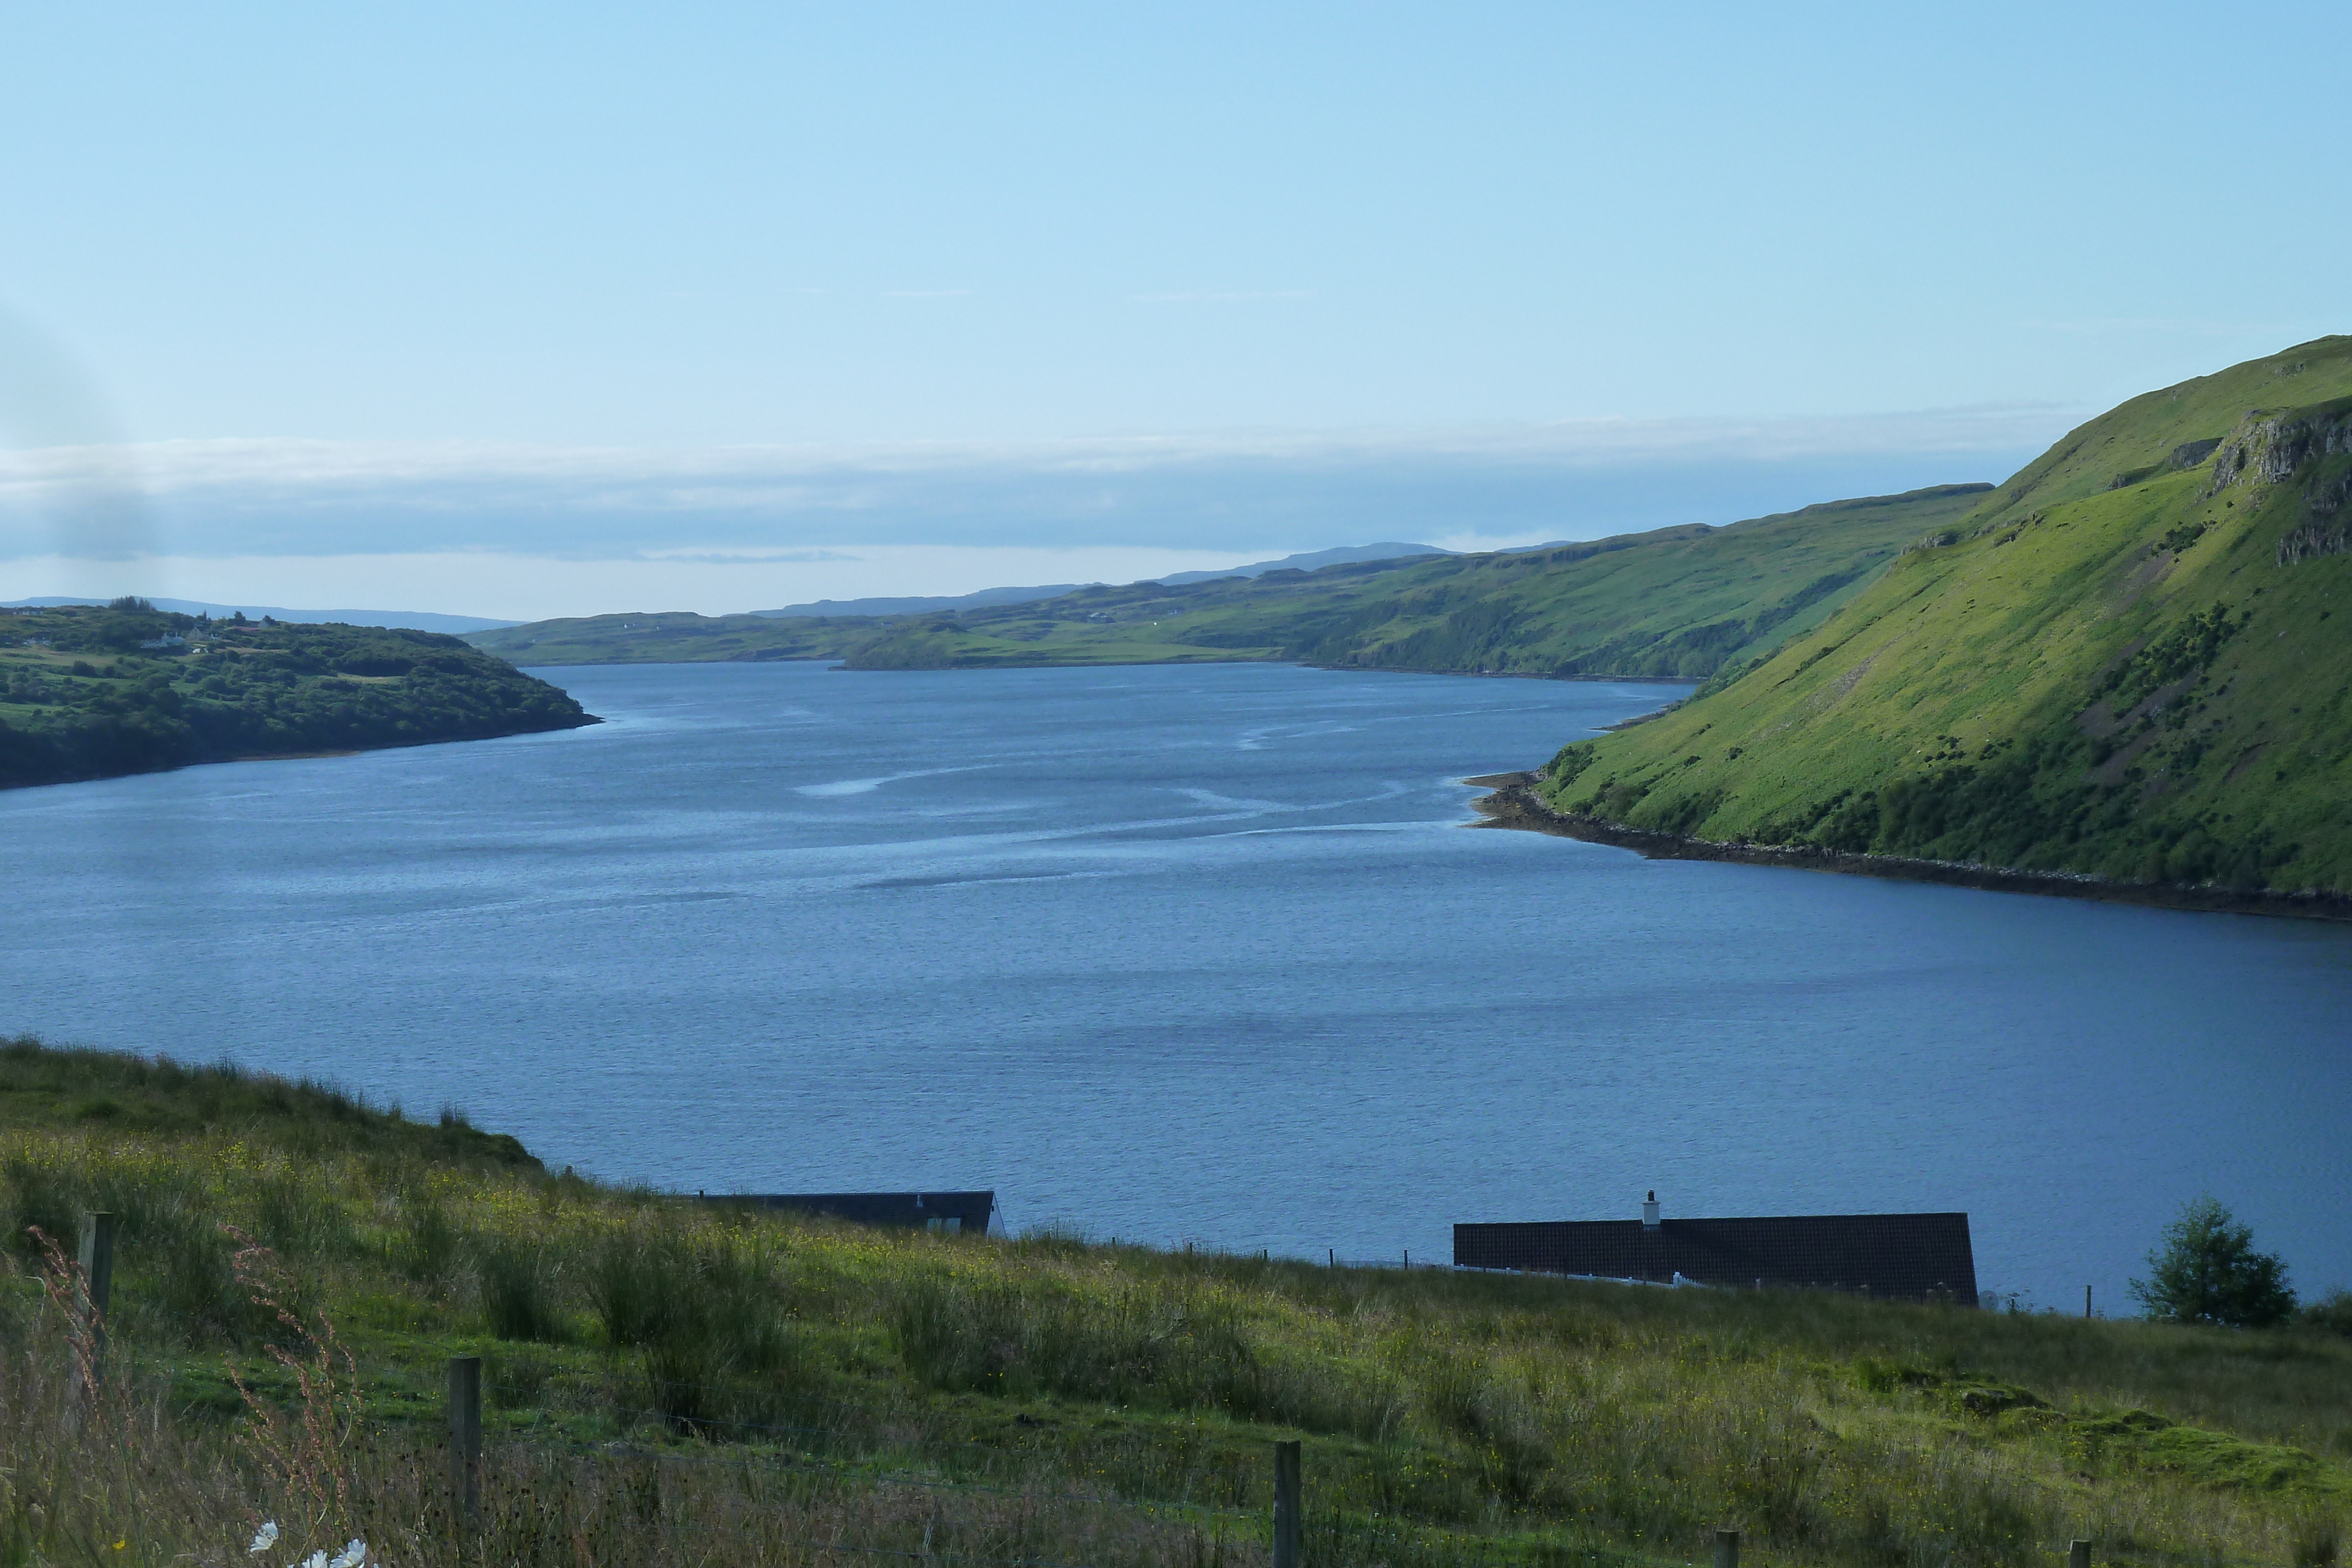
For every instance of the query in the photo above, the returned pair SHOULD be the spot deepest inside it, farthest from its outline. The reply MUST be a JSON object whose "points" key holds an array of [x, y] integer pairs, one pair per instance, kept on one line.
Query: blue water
{"points": [[1179, 953]]}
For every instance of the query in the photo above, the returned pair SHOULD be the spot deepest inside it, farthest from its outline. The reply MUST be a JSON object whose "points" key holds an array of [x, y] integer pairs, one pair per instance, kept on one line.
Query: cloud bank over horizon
{"points": [[733, 526]]}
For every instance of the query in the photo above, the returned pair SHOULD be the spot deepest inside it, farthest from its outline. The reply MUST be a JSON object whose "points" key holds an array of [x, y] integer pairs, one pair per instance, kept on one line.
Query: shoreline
{"points": [[581, 723], [841, 666], [1513, 803]]}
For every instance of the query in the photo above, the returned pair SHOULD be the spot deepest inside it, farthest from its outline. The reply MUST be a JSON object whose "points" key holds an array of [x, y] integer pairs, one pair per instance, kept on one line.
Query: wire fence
{"points": [[1207, 1487]]}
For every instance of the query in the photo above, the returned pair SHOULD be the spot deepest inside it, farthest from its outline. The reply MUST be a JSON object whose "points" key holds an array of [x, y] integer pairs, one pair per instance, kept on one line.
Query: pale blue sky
{"points": [[858, 231]]}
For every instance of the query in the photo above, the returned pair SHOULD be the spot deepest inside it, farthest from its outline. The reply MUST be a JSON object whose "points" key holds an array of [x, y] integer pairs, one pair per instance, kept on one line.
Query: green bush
{"points": [[2206, 1271], [2332, 1313]]}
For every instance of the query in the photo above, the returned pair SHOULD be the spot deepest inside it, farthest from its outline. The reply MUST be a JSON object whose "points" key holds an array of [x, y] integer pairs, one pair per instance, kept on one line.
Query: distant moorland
{"points": [[91, 693], [1674, 604], [2122, 667]]}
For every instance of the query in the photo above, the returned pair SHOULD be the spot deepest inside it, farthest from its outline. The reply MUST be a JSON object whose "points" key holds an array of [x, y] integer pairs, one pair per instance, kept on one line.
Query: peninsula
{"points": [[98, 692]]}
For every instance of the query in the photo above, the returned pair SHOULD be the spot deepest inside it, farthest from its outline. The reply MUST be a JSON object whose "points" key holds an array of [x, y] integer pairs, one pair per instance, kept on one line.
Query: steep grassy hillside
{"points": [[667, 1383], [2130, 663], [91, 692], [1674, 603]]}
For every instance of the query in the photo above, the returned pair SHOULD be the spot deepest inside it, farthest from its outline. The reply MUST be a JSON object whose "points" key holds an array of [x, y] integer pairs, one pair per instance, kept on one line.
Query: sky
{"points": [[530, 311]]}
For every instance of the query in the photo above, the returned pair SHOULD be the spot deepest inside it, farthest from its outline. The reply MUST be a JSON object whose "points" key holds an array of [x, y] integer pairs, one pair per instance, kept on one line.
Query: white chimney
{"points": [[1649, 1211]]}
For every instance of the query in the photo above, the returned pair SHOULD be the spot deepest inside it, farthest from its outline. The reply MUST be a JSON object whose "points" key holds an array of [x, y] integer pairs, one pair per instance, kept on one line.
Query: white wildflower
{"points": [[315, 1560], [264, 1538], [355, 1553]]}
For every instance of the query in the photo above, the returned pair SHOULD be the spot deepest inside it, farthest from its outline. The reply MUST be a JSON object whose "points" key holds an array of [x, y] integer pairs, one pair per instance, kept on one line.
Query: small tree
{"points": [[2206, 1271]]}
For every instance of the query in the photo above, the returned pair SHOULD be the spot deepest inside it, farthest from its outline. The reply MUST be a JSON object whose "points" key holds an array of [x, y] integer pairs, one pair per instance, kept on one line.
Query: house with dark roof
{"points": [[951, 1213], [1896, 1257]]}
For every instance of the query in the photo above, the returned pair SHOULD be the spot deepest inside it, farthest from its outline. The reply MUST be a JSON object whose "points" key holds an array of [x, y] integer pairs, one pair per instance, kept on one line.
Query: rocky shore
{"points": [[1514, 803]]}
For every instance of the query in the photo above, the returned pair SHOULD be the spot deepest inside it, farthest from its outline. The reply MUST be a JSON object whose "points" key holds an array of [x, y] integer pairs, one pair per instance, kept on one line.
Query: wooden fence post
{"points": [[2078, 1554], [1286, 1505], [97, 1288], [1726, 1549], [465, 1438]]}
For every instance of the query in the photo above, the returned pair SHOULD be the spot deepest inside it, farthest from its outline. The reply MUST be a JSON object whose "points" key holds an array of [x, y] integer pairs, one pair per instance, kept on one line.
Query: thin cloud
{"points": [[1219, 489]]}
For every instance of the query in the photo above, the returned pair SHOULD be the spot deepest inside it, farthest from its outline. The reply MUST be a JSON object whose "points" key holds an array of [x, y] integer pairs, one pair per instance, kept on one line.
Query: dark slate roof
{"points": [[973, 1210], [1916, 1257]]}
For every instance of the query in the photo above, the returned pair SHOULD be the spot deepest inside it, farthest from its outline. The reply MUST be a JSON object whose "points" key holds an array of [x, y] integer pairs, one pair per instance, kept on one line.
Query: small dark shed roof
{"points": [[972, 1210], [1915, 1256]]}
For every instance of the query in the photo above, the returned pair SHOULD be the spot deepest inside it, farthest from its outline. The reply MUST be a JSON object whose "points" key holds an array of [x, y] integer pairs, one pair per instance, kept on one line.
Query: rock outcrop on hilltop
{"points": [[2128, 668]]}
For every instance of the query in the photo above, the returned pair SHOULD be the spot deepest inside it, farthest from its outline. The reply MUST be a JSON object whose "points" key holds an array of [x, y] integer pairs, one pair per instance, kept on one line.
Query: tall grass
{"points": [[1444, 1414], [704, 1311], [519, 1289]]}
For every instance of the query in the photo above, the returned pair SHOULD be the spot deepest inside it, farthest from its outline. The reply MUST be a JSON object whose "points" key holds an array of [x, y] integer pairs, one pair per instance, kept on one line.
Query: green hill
{"points": [[670, 1382], [1676, 603], [677, 637], [92, 693], [2124, 666]]}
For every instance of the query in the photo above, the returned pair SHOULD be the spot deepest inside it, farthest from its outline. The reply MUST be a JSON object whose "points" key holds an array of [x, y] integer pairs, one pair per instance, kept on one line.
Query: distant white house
{"points": [[168, 640]]}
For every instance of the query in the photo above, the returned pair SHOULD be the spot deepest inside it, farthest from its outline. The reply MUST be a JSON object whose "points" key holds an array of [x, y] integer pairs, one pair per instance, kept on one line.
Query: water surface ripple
{"points": [[1178, 953]]}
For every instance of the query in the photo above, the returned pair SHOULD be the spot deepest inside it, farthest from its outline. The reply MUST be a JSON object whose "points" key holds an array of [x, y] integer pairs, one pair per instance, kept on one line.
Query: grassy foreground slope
{"points": [[89, 693], [2129, 663], [670, 1382], [1673, 603]]}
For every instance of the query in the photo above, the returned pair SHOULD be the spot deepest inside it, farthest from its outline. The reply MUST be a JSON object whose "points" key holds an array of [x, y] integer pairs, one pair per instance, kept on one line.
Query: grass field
{"points": [[2130, 662], [669, 1381]]}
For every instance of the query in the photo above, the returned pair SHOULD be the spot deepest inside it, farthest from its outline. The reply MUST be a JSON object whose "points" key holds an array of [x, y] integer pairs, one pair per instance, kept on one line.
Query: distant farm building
{"points": [[952, 1213], [1895, 1257]]}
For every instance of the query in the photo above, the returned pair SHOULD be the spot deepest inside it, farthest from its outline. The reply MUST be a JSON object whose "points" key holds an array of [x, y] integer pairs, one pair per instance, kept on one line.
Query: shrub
{"points": [[2332, 1313], [2206, 1271]]}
